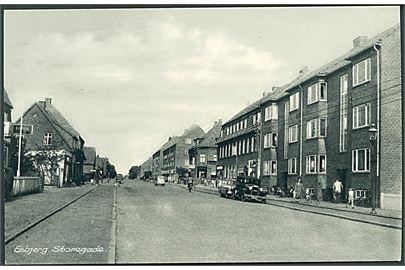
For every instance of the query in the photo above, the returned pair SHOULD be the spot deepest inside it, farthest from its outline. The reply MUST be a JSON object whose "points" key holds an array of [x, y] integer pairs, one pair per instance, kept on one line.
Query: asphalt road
{"points": [[170, 225], [79, 234]]}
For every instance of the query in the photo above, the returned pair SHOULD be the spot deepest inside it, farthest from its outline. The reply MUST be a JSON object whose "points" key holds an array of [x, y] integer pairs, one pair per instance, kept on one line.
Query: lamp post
{"points": [[373, 178]]}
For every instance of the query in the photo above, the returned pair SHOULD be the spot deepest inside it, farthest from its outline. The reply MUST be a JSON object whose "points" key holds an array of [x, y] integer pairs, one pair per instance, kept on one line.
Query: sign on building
{"points": [[26, 129]]}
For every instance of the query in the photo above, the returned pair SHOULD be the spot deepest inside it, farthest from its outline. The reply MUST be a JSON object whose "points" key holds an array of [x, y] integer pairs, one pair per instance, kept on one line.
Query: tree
{"points": [[134, 172], [182, 172], [111, 172]]}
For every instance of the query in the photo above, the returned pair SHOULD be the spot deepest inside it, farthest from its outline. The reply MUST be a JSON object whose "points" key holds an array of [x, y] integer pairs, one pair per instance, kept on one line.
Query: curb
{"points": [[319, 213], [32, 225]]}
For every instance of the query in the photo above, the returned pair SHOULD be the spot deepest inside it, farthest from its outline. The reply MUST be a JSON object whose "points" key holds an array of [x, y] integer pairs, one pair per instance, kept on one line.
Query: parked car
{"points": [[249, 188], [160, 180], [227, 188]]}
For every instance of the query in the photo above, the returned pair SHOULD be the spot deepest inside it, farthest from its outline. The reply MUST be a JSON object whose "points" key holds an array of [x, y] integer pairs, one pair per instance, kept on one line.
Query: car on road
{"points": [[227, 188], [119, 178], [249, 188], [160, 180]]}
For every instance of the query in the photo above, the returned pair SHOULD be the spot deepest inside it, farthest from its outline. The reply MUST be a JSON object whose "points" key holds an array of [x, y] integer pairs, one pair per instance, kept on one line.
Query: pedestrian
{"points": [[337, 190], [299, 190], [350, 198]]}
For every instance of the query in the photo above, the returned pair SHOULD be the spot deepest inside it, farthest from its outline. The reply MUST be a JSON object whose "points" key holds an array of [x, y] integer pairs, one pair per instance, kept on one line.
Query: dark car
{"points": [[249, 188], [226, 188]]}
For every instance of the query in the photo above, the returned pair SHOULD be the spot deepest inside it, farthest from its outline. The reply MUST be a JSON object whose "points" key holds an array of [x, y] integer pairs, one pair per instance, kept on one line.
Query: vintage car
{"points": [[160, 180], [226, 188], [249, 188]]}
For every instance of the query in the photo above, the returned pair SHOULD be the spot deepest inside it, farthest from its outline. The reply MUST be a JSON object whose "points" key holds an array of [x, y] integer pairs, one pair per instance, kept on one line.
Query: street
{"points": [[170, 225]]}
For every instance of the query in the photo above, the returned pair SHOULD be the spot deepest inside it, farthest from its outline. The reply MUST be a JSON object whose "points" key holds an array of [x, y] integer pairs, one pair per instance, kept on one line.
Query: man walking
{"points": [[337, 190]]}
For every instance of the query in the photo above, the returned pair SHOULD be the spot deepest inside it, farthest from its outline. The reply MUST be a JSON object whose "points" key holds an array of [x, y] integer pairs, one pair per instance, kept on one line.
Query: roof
{"points": [[342, 61], [58, 118], [89, 153], [6, 98], [209, 138], [325, 69]]}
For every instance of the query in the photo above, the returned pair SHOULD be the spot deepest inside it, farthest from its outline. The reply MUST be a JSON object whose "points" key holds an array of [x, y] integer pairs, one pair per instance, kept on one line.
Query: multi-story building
{"points": [[175, 152], [238, 143], [157, 164], [52, 133], [316, 127], [203, 154], [146, 169]]}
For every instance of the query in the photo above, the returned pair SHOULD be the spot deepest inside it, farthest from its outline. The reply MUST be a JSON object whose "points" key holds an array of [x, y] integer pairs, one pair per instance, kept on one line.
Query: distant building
{"points": [[101, 164], [52, 133], [89, 164], [175, 152], [146, 169], [203, 154]]}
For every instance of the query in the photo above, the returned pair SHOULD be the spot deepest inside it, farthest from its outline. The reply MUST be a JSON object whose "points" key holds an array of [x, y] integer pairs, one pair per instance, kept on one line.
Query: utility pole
{"points": [[19, 149]]}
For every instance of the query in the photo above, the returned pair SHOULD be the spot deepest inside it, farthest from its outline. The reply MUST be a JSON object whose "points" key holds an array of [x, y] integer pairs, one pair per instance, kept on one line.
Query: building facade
{"points": [[203, 154], [316, 127], [9, 139], [89, 165], [52, 134]]}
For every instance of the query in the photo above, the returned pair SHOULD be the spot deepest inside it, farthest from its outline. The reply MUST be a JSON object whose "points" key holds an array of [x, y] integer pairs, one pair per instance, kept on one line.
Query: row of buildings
{"points": [[47, 134], [315, 128]]}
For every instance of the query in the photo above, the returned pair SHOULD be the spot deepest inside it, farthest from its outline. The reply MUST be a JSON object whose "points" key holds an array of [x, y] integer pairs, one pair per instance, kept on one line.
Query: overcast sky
{"points": [[127, 79]]}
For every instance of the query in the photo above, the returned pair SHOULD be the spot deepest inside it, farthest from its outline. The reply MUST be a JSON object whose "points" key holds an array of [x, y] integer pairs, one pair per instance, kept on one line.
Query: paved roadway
{"points": [[169, 224]]}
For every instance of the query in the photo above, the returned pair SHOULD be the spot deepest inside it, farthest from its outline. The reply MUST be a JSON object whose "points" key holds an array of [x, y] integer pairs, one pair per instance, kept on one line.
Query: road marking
{"points": [[113, 242]]}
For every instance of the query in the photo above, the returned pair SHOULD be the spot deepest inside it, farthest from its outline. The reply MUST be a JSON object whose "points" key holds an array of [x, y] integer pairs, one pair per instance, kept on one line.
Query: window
{"points": [[294, 101], [317, 92], [186, 162], [362, 72], [343, 113], [293, 134], [292, 166], [214, 157], [316, 128], [245, 123], [202, 158], [273, 168], [252, 144], [361, 160], [270, 140], [271, 112], [243, 146], [47, 138], [361, 194], [316, 164], [361, 116], [188, 141]]}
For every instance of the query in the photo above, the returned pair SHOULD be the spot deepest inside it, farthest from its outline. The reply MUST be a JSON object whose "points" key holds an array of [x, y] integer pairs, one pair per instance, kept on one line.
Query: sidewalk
{"points": [[384, 217], [23, 211]]}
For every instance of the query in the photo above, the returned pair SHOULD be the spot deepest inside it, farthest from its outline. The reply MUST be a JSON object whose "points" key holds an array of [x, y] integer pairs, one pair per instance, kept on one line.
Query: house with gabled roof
{"points": [[89, 164], [203, 154], [52, 133]]}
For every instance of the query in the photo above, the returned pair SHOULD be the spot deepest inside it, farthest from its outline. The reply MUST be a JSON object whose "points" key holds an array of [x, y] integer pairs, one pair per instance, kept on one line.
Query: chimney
{"points": [[359, 41], [220, 121], [48, 101], [303, 70], [169, 139]]}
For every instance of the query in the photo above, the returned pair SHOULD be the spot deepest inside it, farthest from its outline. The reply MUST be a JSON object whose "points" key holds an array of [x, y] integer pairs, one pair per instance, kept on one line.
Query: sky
{"points": [[127, 79]]}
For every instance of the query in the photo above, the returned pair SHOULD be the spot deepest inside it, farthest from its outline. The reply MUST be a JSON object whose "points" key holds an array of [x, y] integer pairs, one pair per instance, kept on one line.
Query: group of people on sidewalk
{"points": [[299, 192]]}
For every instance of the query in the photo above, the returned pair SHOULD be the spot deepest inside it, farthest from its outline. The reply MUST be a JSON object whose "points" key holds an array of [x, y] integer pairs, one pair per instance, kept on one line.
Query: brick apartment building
{"points": [[52, 132], [172, 156], [203, 154], [316, 127]]}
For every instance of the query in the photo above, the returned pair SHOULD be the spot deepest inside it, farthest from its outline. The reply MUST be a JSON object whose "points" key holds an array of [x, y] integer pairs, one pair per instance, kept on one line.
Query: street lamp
{"points": [[373, 178]]}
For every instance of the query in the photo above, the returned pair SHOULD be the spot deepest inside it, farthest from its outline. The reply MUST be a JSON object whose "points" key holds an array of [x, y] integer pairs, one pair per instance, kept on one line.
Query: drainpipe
{"points": [[378, 106], [378, 120], [301, 112]]}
